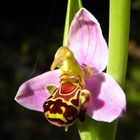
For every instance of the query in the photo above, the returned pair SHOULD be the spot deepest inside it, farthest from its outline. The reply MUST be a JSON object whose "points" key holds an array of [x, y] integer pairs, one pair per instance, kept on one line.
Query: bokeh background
{"points": [[30, 33]]}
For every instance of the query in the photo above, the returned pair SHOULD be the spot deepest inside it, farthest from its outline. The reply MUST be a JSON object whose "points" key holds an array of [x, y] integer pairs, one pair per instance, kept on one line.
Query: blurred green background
{"points": [[30, 33]]}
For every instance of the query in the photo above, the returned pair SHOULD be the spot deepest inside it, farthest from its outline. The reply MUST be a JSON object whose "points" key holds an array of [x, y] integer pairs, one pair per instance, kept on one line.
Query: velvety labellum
{"points": [[64, 106]]}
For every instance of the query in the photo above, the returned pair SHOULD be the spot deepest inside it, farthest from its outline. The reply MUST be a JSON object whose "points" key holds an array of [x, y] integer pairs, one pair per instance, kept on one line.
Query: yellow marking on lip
{"points": [[51, 106], [63, 100], [63, 109], [55, 116]]}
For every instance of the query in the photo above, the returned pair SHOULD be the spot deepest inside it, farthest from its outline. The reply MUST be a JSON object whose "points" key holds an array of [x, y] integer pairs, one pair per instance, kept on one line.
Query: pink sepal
{"points": [[32, 94], [108, 99]]}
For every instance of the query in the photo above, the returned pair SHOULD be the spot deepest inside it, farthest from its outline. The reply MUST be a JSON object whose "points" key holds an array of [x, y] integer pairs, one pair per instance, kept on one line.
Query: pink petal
{"points": [[32, 94], [87, 42], [108, 99]]}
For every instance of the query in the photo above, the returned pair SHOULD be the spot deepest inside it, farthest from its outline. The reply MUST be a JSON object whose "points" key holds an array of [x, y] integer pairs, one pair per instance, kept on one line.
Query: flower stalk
{"points": [[119, 24], [72, 7], [118, 39]]}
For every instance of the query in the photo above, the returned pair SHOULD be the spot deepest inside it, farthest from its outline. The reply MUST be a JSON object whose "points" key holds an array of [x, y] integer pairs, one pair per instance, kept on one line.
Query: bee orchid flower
{"points": [[79, 85]]}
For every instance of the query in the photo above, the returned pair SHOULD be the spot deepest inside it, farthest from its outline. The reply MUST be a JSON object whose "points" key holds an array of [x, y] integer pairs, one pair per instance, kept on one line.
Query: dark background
{"points": [[30, 33]]}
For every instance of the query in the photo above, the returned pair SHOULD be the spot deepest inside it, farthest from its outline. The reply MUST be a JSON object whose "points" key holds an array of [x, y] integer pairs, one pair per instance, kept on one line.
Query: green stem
{"points": [[119, 23], [72, 7], [93, 130], [88, 129], [118, 39]]}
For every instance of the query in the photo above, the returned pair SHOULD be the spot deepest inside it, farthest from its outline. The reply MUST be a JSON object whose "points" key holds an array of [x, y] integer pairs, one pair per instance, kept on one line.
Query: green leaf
{"points": [[72, 8]]}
